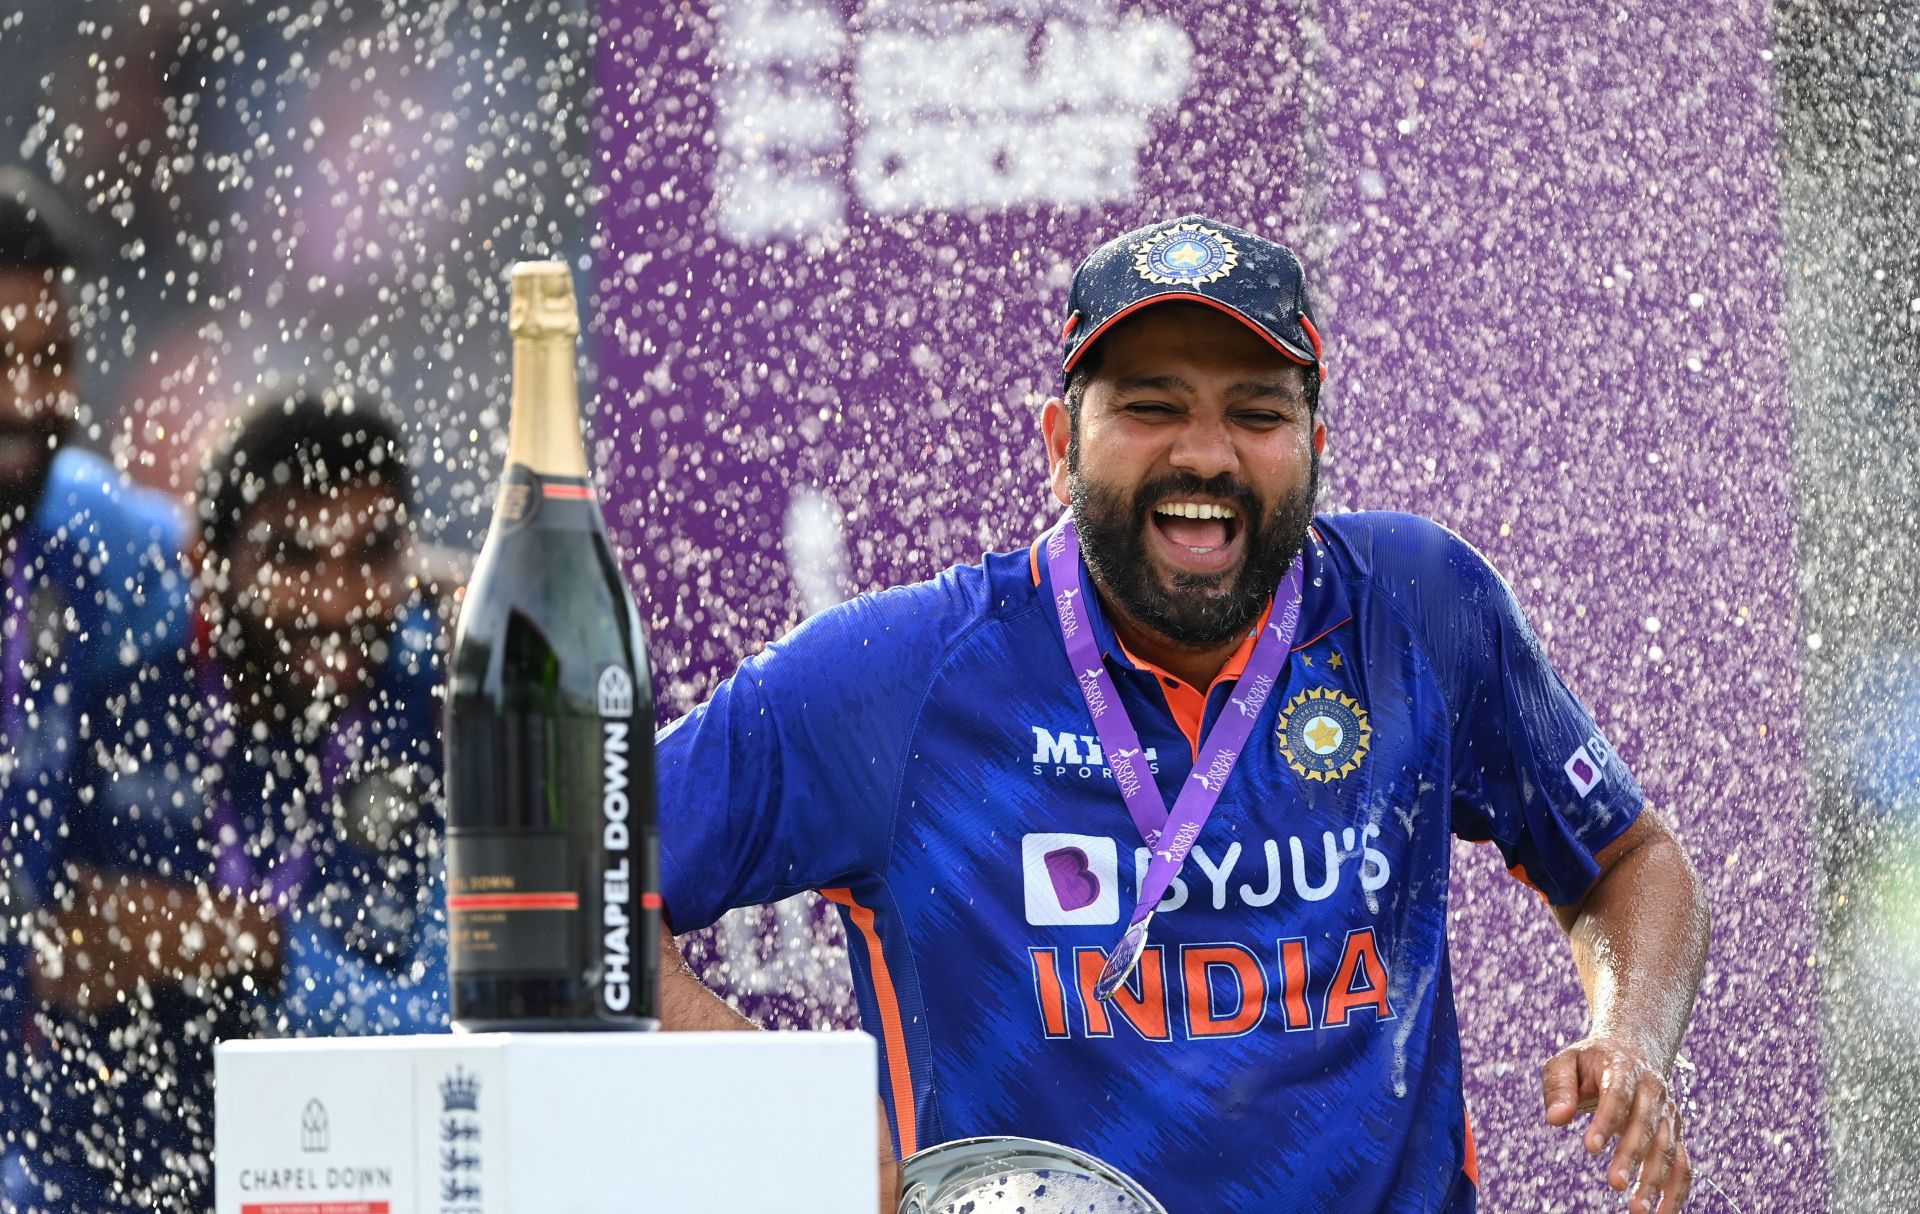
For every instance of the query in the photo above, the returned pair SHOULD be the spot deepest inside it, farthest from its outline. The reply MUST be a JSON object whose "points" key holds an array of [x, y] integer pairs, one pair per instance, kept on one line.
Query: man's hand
{"points": [[1639, 940], [1631, 1102], [125, 930]]}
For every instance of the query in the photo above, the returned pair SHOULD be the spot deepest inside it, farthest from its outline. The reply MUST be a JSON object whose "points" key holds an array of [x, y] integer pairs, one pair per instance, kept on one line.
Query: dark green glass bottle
{"points": [[552, 859]]}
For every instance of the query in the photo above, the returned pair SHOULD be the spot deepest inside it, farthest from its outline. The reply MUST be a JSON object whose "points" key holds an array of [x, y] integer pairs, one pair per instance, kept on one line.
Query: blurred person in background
{"points": [[303, 824], [95, 621], [317, 663]]}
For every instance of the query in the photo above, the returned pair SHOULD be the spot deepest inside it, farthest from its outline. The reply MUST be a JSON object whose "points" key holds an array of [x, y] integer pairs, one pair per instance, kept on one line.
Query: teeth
{"points": [[1193, 510]]}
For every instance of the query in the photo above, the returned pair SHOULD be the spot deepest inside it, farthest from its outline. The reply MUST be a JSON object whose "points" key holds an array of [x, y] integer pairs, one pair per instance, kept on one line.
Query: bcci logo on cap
{"points": [[1071, 879], [1185, 255], [616, 693]]}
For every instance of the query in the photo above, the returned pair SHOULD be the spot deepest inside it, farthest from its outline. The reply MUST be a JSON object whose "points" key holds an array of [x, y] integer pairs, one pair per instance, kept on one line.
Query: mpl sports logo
{"points": [[1067, 753]]}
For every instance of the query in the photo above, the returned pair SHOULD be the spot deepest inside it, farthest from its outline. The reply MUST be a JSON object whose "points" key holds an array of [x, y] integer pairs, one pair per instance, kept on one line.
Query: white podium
{"points": [[560, 1123]]}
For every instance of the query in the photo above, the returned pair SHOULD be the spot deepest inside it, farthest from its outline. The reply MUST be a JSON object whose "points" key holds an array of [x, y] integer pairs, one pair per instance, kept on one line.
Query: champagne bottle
{"points": [[553, 860]]}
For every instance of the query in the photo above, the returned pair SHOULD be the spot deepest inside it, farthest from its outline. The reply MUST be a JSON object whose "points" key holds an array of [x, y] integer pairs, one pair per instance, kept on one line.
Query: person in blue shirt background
{"points": [[284, 848], [95, 624], [320, 649], [927, 759]]}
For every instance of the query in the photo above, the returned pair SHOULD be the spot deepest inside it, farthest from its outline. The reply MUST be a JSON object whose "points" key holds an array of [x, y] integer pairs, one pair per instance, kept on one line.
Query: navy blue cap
{"points": [[1197, 260]]}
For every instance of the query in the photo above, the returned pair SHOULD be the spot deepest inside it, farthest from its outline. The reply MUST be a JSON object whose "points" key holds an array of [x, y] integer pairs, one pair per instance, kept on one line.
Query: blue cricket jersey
{"points": [[107, 617], [924, 758], [108, 613], [365, 937]]}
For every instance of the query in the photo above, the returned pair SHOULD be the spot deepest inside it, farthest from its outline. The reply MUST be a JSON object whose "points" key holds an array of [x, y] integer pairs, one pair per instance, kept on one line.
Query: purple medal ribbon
{"points": [[276, 882], [1219, 751], [18, 644]]}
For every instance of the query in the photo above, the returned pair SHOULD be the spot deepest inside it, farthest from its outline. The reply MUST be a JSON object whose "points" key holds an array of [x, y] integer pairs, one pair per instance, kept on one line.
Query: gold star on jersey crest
{"points": [[1324, 733]]}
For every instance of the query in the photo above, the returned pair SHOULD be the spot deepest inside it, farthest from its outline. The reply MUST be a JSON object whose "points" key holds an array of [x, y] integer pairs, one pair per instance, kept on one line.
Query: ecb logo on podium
{"points": [[460, 1143]]}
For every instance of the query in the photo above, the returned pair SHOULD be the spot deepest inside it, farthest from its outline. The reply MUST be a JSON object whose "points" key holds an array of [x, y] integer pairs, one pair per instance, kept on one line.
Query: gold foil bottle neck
{"points": [[542, 300], [544, 433]]}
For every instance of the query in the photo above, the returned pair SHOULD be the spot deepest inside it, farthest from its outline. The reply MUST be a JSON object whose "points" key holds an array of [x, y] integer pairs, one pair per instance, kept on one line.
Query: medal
{"points": [[1219, 752]]}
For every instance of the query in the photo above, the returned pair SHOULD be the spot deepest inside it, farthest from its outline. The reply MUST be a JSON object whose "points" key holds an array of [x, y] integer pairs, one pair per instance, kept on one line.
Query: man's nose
{"points": [[1205, 448]]}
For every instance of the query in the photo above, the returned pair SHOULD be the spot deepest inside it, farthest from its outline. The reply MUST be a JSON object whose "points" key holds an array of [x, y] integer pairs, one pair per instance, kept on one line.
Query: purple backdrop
{"points": [[836, 241]]}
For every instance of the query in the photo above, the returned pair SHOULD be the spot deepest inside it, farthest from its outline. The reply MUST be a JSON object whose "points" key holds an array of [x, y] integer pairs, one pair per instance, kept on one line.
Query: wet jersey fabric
{"points": [[363, 934], [924, 757], [105, 619], [107, 613], [364, 931]]}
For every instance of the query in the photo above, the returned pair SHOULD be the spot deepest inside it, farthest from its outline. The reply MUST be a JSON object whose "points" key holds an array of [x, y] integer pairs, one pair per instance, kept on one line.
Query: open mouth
{"points": [[1197, 536]]}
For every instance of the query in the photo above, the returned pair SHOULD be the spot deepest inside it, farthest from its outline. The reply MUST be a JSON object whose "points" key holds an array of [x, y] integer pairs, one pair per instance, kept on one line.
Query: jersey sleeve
{"points": [[115, 554], [785, 779], [1532, 771]]}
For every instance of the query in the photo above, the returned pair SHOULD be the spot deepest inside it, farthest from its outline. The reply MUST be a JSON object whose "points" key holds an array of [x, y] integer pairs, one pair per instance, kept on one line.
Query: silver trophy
{"points": [[1004, 1174]]}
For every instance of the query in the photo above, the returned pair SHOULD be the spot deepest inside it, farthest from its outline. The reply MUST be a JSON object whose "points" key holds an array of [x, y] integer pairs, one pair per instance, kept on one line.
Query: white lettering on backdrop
{"points": [[1052, 103]]}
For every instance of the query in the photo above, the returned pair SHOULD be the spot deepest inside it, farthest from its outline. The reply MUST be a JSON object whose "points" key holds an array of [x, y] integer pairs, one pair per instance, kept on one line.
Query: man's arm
{"points": [[686, 1003], [124, 929], [1640, 942]]}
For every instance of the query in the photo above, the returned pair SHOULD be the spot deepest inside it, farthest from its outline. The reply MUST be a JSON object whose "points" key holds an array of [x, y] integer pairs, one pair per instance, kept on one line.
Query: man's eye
{"points": [[1260, 417], [1149, 406]]}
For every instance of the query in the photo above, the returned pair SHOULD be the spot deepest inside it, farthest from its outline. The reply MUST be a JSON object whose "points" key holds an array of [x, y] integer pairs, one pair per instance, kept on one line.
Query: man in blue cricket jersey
{"points": [[1141, 835], [319, 646], [276, 847], [95, 620]]}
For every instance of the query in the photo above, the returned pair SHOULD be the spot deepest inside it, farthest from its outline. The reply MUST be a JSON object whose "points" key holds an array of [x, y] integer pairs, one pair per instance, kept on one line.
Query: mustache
{"points": [[1187, 485]]}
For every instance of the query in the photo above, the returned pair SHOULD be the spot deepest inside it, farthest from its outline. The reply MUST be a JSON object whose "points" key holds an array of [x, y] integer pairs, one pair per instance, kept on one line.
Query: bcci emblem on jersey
{"points": [[1185, 255], [1324, 734]]}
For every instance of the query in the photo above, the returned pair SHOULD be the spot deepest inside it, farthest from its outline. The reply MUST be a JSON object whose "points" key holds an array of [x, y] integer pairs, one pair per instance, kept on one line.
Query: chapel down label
{"points": [[552, 858]]}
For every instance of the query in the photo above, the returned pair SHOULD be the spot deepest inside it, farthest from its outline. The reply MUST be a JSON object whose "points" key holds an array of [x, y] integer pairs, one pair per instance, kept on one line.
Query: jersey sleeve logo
{"points": [[1583, 766], [1324, 734], [1184, 256]]}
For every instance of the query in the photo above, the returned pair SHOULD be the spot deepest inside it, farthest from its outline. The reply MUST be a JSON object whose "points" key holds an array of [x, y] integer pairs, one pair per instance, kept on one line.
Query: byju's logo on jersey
{"points": [[1071, 879], [1324, 734], [1586, 766], [1191, 253]]}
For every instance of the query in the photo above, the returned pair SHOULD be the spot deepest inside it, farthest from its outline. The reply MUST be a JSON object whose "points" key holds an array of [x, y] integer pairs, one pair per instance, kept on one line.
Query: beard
{"points": [[281, 676], [1193, 610], [26, 453]]}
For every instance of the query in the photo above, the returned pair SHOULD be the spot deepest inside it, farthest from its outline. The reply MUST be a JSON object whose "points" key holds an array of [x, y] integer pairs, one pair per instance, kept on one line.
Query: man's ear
{"points": [[1319, 438], [1057, 428]]}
